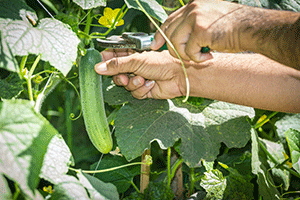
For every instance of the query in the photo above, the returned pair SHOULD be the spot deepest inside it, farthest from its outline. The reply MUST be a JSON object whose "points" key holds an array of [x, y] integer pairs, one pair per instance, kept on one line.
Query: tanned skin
{"points": [[267, 79]]}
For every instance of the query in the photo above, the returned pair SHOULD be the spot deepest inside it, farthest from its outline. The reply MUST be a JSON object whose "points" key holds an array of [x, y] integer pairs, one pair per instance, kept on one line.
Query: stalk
{"points": [[30, 77], [106, 170]]}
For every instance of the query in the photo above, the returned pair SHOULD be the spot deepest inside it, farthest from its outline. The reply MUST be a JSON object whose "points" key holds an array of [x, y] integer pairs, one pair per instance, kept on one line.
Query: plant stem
{"points": [[192, 175], [278, 165], [175, 166], [135, 187], [106, 170], [22, 65], [145, 172], [17, 192], [68, 110], [172, 46], [88, 23], [29, 77], [256, 126], [169, 166]]}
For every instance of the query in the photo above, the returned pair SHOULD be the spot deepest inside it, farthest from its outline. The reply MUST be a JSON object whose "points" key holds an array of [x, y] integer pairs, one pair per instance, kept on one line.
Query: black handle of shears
{"points": [[203, 49]]}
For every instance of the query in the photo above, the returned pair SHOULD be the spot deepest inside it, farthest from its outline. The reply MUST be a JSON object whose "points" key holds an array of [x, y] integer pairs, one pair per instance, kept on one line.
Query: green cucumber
{"points": [[92, 102]]}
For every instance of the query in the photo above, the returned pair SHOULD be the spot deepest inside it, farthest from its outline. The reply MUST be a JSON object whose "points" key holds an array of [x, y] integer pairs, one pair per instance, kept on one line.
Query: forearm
{"points": [[247, 79], [272, 33]]}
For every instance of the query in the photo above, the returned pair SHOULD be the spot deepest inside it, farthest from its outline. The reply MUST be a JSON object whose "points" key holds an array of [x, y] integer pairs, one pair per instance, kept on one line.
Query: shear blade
{"points": [[116, 42]]}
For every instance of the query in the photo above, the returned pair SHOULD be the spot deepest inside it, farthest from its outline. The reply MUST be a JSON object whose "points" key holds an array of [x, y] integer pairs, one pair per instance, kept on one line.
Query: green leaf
{"points": [[11, 86], [55, 41], [292, 5], [151, 6], [288, 121], [198, 123], [140, 122], [88, 4], [277, 151], [121, 178], [4, 189], [293, 140], [115, 95], [239, 159], [96, 187], [214, 184], [7, 59], [55, 166], [16, 10], [266, 186], [238, 186], [24, 137]]}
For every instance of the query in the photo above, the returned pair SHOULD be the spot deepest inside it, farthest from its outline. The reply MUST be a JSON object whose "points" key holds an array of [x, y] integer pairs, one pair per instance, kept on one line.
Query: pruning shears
{"points": [[138, 41]]}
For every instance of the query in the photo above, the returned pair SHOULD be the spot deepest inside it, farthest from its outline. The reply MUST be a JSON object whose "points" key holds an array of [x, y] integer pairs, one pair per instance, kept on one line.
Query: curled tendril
{"points": [[72, 115], [75, 76]]}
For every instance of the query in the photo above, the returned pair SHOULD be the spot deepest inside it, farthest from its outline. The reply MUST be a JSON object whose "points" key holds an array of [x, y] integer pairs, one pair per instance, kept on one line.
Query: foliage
{"points": [[224, 151]]}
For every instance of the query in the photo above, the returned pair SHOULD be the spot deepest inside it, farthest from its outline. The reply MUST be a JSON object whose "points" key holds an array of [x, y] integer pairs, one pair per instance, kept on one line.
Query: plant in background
{"points": [[202, 148]]}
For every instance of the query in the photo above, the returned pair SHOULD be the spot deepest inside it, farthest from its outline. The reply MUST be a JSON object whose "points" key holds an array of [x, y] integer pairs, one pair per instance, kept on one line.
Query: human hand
{"points": [[156, 74], [201, 23]]}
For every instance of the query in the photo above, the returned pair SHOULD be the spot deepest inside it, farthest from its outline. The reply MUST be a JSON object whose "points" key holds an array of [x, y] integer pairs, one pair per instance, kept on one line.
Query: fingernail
{"points": [[152, 45], [136, 82], [118, 80], [102, 67], [149, 83]]}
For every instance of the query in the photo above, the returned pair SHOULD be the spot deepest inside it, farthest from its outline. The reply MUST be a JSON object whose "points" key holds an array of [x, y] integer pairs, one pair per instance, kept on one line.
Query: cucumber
{"points": [[92, 103]]}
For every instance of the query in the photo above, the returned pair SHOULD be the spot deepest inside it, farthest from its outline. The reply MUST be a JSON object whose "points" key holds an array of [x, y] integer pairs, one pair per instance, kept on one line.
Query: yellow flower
{"points": [[48, 189], [110, 17]]}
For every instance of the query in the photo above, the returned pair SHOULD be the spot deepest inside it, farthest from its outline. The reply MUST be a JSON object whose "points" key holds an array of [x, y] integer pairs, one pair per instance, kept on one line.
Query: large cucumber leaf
{"points": [[7, 59], [56, 164], [24, 137], [55, 41], [151, 6], [201, 128]]}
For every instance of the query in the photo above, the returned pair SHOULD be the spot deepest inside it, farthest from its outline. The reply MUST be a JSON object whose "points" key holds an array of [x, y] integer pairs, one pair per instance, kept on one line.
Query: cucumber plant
{"points": [[36, 162]]}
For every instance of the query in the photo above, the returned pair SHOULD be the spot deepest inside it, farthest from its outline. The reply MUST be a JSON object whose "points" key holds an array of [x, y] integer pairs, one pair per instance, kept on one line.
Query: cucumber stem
{"points": [[29, 77]]}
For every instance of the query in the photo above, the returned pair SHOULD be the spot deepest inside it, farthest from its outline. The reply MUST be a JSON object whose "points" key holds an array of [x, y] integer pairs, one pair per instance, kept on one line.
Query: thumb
{"points": [[114, 66], [158, 41]]}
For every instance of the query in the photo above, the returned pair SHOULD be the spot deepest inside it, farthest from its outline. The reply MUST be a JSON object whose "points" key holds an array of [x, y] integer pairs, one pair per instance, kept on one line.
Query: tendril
{"points": [[72, 115]]}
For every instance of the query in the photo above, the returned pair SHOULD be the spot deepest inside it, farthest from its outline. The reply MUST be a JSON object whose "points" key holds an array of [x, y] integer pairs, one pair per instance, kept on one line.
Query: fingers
{"points": [[111, 53], [159, 40], [116, 66], [144, 91], [139, 87]]}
